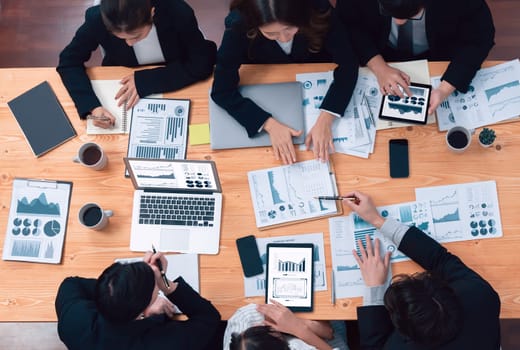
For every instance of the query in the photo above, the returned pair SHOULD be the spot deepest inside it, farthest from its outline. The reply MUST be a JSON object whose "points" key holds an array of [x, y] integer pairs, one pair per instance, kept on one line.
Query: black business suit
{"points": [[80, 326], [188, 56], [237, 49], [460, 31], [480, 303]]}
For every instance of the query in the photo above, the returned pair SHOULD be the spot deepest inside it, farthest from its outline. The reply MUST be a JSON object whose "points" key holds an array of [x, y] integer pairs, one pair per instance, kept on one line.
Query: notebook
{"points": [[177, 205], [41, 118], [106, 91], [282, 100]]}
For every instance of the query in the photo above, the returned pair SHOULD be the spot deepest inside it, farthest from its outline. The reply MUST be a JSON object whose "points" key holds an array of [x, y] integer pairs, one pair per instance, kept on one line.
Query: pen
{"points": [[159, 265], [96, 117], [333, 288], [336, 198]]}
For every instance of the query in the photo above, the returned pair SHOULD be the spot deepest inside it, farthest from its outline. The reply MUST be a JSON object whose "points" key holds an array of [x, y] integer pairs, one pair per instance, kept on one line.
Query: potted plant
{"points": [[486, 137]]}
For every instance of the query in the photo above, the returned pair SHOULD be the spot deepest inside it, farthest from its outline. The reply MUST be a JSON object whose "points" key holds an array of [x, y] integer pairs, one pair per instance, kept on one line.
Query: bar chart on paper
{"points": [[159, 129]]}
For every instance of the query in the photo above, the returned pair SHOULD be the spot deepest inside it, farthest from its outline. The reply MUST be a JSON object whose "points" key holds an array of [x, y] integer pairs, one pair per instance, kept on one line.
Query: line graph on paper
{"points": [[446, 217]]}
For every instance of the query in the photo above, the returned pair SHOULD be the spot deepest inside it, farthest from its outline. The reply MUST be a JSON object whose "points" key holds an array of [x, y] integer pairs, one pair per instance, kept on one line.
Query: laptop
{"points": [[283, 100], [177, 205]]}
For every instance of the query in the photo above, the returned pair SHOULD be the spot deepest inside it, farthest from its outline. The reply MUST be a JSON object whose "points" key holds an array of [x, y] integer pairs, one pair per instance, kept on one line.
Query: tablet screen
{"points": [[289, 275], [409, 109]]}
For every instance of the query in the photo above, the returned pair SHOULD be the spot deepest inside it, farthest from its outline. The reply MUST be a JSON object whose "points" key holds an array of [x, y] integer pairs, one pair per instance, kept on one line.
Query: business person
{"points": [[273, 326], [382, 31], [135, 33], [122, 310], [284, 31], [448, 306]]}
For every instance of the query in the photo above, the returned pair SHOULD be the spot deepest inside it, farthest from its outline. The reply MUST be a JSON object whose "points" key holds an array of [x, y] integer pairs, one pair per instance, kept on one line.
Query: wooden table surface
{"points": [[27, 290]]}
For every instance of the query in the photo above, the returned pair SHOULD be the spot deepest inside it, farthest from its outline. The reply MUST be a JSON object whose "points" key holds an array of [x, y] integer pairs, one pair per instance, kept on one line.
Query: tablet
{"points": [[409, 109], [290, 275]]}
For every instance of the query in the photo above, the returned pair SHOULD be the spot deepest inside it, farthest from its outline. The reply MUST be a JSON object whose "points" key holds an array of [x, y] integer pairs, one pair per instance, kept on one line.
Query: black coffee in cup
{"points": [[458, 139], [92, 216], [91, 155]]}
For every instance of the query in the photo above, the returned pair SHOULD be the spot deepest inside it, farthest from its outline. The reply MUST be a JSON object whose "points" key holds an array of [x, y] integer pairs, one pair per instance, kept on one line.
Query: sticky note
{"points": [[199, 134]]}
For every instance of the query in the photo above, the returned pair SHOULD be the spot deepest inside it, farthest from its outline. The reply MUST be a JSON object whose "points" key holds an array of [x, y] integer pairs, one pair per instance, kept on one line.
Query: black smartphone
{"points": [[399, 163], [249, 256]]}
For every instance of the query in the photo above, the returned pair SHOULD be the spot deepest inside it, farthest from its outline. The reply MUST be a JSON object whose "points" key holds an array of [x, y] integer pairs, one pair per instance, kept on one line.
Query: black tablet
{"points": [[408, 109], [290, 275]]}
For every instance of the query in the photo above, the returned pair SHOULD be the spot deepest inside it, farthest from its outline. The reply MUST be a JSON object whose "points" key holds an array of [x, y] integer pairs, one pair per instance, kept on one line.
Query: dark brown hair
{"points": [[311, 22], [125, 15], [424, 308]]}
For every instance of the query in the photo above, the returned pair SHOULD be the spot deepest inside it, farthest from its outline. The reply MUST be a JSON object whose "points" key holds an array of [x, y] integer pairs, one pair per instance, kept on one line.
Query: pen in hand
{"points": [[159, 265], [337, 198]]}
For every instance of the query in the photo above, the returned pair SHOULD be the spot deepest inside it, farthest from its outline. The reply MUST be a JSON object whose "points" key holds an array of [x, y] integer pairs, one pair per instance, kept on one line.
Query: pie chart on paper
{"points": [[52, 228]]}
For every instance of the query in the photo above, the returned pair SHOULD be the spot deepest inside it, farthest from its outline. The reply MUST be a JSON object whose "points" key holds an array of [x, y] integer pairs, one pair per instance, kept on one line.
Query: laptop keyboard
{"points": [[177, 210]]}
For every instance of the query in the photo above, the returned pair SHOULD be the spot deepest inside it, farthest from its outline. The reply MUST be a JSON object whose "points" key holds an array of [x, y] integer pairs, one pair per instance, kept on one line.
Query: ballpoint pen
{"points": [[337, 198], [159, 265], [98, 117]]}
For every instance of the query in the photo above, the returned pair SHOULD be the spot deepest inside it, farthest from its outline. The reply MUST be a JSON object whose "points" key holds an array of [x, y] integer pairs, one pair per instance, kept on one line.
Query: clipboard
{"points": [[290, 275], [284, 212], [37, 222]]}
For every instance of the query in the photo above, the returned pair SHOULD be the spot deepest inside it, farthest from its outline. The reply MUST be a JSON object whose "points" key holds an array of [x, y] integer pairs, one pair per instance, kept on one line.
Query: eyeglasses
{"points": [[417, 17]]}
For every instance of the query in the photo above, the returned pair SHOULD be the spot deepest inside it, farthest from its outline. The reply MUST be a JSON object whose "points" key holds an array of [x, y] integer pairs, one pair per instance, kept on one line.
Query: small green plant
{"points": [[487, 136]]}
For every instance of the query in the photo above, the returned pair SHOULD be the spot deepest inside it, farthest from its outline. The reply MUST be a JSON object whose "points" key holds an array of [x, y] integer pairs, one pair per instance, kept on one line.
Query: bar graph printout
{"points": [[159, 129]]}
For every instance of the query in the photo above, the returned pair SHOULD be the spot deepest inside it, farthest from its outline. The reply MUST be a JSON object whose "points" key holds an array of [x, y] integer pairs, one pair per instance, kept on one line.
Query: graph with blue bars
{"points": [[159, 129]]}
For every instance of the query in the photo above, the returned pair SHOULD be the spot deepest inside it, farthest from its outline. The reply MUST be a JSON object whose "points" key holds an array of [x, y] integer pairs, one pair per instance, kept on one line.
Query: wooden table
{"points": [[27, 290]]}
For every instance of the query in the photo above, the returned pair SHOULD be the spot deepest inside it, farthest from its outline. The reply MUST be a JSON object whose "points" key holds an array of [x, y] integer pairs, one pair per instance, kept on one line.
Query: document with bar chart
{"points": [[159, 129]]}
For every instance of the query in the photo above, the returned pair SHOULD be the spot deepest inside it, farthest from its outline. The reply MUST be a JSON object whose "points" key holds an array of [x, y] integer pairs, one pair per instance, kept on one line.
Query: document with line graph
{"points": [[159, 129]]}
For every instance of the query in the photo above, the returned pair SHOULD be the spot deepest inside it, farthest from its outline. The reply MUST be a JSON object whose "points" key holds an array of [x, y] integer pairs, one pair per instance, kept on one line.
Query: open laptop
{"points": [[283, 100], [177, 205]]}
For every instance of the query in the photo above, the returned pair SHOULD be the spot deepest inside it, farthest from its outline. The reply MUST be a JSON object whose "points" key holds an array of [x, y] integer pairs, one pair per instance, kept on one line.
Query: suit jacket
{"points": [[480, 303], [80, 326], [237, 49], [460, 31], [189, 57]]}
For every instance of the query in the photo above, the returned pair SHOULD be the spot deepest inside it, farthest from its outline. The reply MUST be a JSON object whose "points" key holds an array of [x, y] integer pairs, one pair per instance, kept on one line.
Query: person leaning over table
{"points": [[134, 33], [284, 31], [459, 31], [123, 310], [448, 306], [275, 327]]}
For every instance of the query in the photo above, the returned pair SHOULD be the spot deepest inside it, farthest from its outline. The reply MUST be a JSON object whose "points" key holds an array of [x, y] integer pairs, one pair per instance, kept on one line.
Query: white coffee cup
{"points": [[92, 156], [458, 138], [92, 216]]}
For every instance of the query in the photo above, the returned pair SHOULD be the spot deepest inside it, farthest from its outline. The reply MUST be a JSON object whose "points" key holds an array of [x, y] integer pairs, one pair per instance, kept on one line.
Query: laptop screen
{"points": [[189, 175]]}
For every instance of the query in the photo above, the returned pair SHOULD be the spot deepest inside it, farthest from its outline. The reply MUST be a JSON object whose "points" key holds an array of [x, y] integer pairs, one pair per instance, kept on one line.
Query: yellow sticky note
{"points": [[199, 134]]}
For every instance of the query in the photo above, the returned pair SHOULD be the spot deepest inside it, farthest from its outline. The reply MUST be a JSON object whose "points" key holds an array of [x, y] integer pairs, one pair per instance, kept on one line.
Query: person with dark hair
{"points": [[449, 306], [382, 31], [122, 309], [275, 327], [284, 31], [135, 33]]}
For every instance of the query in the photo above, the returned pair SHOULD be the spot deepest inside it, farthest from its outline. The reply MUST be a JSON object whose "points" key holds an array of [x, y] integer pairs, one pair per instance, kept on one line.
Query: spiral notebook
{"points": [[106, 91]]}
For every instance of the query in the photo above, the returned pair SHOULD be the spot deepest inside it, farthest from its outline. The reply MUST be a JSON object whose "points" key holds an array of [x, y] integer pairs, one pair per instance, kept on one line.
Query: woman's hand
{"points": [[281, 140], [128, 92], [102, 118], [391, 81], [320, 136], [161, 306]]}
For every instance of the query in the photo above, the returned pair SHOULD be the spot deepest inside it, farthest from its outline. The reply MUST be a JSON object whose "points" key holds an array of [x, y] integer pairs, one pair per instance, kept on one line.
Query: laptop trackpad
{"points": [[175, 239]]}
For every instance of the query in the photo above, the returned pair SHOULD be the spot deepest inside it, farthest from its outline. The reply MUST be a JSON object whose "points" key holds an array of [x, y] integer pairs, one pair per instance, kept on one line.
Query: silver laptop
{"points": [[177, 205], [283, 100]]}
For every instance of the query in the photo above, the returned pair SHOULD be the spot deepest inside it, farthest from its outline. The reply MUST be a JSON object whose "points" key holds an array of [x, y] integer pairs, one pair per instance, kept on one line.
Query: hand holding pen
{"points": [[159, 265], [102, 118], [365, 208]]}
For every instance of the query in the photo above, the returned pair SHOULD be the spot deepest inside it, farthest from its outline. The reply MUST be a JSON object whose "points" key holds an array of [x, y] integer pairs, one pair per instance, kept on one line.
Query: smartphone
{"points": [[249, 256], [399, 163]]}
